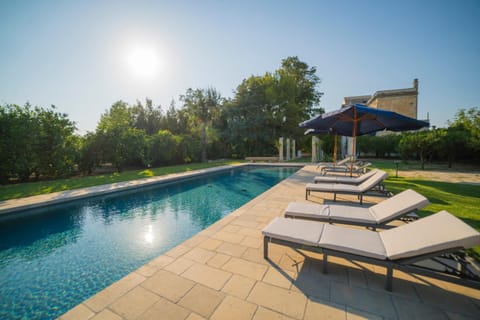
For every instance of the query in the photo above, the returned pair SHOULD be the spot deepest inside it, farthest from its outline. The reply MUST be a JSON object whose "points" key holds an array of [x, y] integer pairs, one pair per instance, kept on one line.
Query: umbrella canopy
{"points": [[358, 119]]}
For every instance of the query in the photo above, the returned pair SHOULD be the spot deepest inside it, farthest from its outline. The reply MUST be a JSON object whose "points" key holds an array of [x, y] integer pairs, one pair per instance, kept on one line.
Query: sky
{"points": [[82, 56]]}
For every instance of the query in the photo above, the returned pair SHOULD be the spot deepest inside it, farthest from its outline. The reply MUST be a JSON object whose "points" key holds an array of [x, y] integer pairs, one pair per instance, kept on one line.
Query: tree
{"points": [[147, 117], [269, 106], [121, 143], [202, 105], [421, 143], [35, 141], [468, 122]]}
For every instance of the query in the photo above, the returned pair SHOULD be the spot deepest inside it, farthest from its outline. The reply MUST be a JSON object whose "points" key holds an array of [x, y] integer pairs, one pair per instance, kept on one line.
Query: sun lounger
{"points": [[369, 184], [397, 248], [357, 168], [342, 162], [346, 180], [375, 216]]}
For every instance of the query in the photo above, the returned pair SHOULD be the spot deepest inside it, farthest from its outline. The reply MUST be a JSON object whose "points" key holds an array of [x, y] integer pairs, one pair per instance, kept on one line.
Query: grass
{"points": [[21, 190]]}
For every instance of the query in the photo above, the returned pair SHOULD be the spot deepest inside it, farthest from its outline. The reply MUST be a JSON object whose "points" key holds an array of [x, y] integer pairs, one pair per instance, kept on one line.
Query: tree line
{"points": [[41, 143], [460, 141], [38, 142]]}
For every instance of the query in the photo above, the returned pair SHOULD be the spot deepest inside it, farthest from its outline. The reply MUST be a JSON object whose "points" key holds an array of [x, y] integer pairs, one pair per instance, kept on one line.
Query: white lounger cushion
{"points": [[440, 231], [330, 212], [308, 210], [341, 187], [398, 205], [346, 180], [354, 241], [387, 210], [297, 231]]}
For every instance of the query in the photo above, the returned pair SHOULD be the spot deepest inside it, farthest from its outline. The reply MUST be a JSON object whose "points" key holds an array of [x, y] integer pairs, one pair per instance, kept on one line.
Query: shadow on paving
{"points": [[359, 289]]}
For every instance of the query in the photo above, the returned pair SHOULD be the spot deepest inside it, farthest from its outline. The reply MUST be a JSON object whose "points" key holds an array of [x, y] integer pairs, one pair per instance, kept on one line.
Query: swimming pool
{"points": [[51, 262]]}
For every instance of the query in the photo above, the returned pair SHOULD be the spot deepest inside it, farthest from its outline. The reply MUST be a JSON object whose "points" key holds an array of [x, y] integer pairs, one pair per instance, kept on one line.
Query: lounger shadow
{"points": [[375, 181], [376, 216], [398, 248]]}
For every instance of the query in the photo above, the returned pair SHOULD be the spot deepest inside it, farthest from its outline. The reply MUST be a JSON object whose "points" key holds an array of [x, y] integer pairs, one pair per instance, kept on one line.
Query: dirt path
{"points": [[462, 177]]}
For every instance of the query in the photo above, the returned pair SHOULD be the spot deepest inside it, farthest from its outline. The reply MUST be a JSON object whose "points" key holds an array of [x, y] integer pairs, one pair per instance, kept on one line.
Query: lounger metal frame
{"points": [[379, 188], [461, 276]]}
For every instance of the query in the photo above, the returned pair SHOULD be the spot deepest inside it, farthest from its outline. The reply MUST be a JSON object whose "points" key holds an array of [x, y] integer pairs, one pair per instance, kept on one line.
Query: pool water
{"points": [[52, 261]]}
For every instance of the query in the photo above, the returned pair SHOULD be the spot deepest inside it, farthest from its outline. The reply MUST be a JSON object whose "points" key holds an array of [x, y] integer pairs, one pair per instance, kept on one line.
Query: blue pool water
{"points": [[52, 261]]}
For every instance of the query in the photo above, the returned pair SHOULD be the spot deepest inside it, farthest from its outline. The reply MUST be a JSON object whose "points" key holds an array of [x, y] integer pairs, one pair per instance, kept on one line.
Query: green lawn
{"points": [[21, 190]]}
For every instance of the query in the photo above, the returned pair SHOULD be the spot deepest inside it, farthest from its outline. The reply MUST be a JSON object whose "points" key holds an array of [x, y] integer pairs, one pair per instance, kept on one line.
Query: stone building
{"points": [[403, 101]]}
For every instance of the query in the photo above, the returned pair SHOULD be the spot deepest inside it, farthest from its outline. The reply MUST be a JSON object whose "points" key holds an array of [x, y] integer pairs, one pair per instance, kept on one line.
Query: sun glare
{"points": [[143, 61]]}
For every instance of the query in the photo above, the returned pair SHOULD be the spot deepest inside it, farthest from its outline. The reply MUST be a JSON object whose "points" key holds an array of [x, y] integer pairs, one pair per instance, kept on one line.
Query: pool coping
{"points": [[20, 205]]}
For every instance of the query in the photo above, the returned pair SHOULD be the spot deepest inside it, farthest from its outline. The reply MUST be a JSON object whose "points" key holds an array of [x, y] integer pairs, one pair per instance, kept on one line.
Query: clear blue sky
{"points": [[73, 54]]}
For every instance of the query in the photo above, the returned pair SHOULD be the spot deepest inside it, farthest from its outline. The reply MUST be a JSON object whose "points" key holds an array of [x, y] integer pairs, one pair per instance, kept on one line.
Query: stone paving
{"points": [[220, 273]]}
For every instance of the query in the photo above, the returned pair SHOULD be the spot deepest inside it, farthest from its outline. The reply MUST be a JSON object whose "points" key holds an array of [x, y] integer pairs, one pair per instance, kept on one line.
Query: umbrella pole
{"points": [[335, 150], [354, 139]]}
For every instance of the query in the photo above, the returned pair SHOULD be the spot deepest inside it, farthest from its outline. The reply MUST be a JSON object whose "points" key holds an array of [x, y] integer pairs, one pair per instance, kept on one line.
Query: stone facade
{"points": [[403, 101]]}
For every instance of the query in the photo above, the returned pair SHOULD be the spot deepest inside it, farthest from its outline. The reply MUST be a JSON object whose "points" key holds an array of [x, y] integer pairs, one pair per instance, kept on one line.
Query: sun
{"points": [[143, 61]]}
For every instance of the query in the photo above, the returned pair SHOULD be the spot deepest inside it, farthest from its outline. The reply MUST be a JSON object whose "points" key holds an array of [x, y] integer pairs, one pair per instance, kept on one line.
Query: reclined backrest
{"points": [[439, 232], [398, 205], [371, 182]]}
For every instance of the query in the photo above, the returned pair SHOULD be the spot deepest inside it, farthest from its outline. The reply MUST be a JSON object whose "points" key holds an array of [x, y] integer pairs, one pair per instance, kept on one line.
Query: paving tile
{"points": [[147, 270], [265, 314], [292, 261], [231, 229], [231, 249], [321, 309], [246, 223], [252, 242], [161, 261], [210, 244], [105, 297], [376, 302], [239, 286], [218, 260], [79, 312], [194, 241], [107, 315], [279, 278], [179, 265], [456, 316], [312, 284], [199, 255], [254, 233], [228, 237], [177, 251], [355, 314], [208, 276], [245, 268], [335, 272], [447, 300], [168, 285], [165, 310], [409, 309], [202, 300], [134, 303], [283, 301], [233, 308], [194, 316]]}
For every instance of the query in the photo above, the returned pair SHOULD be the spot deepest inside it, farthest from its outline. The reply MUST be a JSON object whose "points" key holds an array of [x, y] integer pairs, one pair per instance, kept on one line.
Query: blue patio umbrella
{"points": [[356, 120]]}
